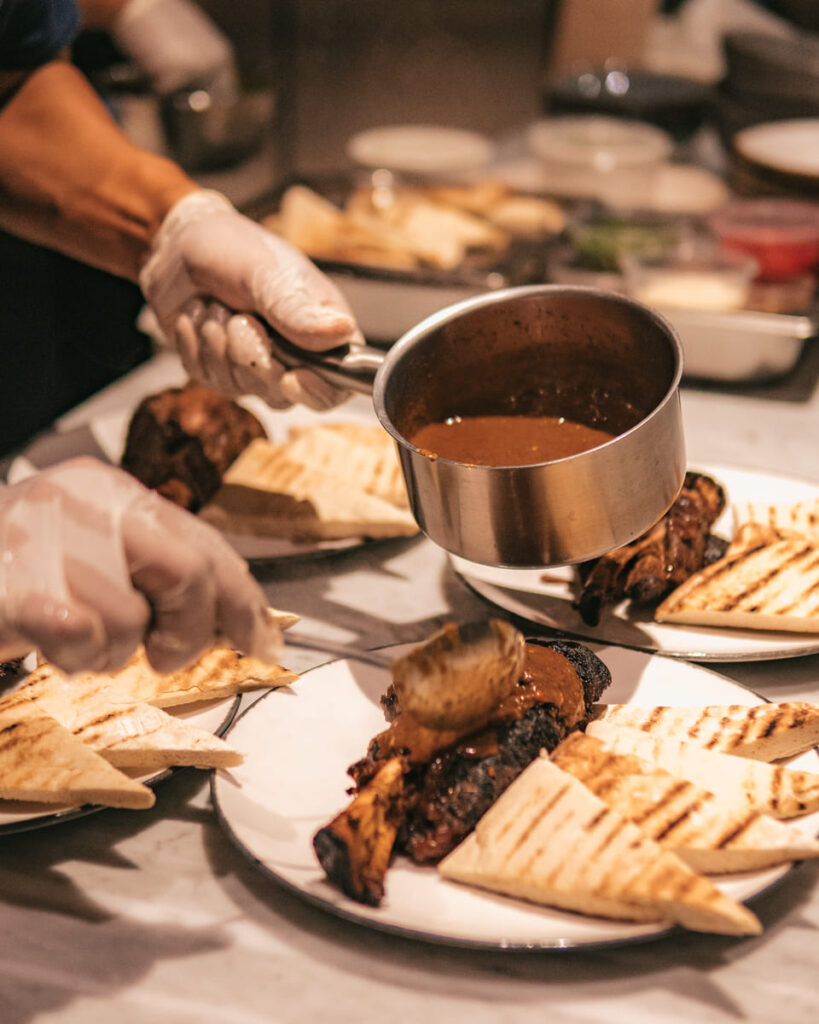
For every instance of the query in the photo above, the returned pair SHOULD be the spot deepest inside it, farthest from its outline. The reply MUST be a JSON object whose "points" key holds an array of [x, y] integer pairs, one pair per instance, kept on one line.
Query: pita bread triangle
{"points": [[762, 732], [217, 673], [549, 840], [360, 452], [41, 761], [767, 788], [710, 834], [126, 734], [268, 493], [766, 580]]}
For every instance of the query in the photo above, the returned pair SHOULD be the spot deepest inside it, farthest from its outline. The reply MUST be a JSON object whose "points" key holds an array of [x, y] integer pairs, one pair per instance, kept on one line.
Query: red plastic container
{"points": [[781, 234]]}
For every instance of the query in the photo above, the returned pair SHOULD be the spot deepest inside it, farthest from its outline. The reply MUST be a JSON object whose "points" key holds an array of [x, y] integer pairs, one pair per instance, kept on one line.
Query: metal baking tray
{"points": [[741, 347], [386, 301]]}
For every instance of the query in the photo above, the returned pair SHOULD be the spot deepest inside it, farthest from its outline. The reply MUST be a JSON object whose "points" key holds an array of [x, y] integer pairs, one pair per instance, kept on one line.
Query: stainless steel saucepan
{"points": [[592, 356]]}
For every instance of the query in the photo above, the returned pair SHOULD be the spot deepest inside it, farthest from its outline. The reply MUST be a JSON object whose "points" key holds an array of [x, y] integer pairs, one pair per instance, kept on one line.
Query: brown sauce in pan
{"points": [[507, 440]]}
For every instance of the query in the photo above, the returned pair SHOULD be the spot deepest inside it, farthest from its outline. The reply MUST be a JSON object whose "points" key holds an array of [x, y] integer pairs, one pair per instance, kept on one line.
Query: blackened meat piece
{"points": [[715, 548], [662, 558], [356, 846], [182, 440], [458, 788], [592, 672]]}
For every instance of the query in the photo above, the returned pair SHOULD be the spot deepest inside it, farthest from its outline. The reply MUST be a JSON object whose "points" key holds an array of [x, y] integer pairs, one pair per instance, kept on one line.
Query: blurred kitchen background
{"points": [[316, 73]]}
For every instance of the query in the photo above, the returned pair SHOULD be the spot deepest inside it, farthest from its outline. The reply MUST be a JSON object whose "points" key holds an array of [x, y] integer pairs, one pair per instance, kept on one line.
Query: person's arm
{"points": [[70, 180]]}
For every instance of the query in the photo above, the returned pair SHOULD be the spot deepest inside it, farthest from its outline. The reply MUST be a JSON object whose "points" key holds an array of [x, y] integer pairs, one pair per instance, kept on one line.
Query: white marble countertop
{"points": [[142, 916]]}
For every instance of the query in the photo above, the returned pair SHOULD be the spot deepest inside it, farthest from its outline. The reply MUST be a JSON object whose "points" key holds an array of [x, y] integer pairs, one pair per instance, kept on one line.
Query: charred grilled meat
{"points": [[182, 440], [355, 849], [430, 786], [676, 547]]}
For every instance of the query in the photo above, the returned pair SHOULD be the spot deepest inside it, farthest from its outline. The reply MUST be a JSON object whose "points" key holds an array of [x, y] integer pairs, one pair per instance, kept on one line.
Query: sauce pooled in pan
{"points": [[500, 440]]}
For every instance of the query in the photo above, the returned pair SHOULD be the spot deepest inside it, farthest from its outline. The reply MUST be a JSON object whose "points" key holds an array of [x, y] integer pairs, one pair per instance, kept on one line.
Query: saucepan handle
{"points": [[352, 367]]}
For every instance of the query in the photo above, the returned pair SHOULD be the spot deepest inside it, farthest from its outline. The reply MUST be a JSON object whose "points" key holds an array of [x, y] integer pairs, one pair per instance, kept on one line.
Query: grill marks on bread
{"points": [[759, 566], [549, 840], [42, 762], [352, 451], [710, 834], [763, 732], [220, 672], [268, 492], [126, 733], [766, 580], [95, 721], [769, 789]]}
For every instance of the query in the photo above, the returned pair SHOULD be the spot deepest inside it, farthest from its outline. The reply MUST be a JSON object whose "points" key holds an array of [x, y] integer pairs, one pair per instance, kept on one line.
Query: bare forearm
{"points": [[70, 180]]}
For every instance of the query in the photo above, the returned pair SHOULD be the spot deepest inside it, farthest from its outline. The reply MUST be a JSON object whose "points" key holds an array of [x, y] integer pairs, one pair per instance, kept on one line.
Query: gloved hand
{"points": [[210, 270], [176, 45], [93, 564]]}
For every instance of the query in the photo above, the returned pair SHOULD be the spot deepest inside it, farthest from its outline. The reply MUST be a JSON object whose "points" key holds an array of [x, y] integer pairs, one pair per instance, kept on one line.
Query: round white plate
{"points": [[545, 597], [298, 745], [420, 149], [104, 437], [788, 146], [17, 816]]}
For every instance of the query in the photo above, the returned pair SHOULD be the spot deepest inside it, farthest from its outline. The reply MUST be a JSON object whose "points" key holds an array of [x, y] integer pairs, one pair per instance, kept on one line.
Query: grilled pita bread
{"points": [[766, 580], [800, 517], [217, 673], [710, 834], [41, 761], [549, 840], [283, 619], [267, 493], [321, 229], [357, 452], [146, 737], [126, 734], [766, 788], [494, 201], [116, 720], [763, 732]]}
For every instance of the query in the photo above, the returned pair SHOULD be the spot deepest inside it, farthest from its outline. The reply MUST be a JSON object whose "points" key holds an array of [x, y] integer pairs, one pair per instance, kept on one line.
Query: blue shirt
{"points": [[33, 32]]}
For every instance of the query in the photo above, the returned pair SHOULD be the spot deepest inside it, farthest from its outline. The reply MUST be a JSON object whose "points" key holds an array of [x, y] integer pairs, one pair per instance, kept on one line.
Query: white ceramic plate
{"points": [[788, 146], [298, 744], [17, 816], [420, 149], [105, 436], [545, 597]]}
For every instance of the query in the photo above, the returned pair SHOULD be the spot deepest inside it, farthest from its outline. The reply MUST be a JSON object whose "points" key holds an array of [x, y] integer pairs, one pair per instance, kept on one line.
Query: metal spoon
{"points": [[453, 679]]}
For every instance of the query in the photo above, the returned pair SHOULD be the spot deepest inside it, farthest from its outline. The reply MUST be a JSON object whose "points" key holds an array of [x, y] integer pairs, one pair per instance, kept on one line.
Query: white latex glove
{"points": [[93, 564], [177, 45], [212, 268]]}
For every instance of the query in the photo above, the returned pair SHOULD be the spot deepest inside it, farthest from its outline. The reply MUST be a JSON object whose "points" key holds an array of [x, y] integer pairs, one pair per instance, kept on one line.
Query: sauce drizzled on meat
{"points": [[548, 678], [507, 440]]}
